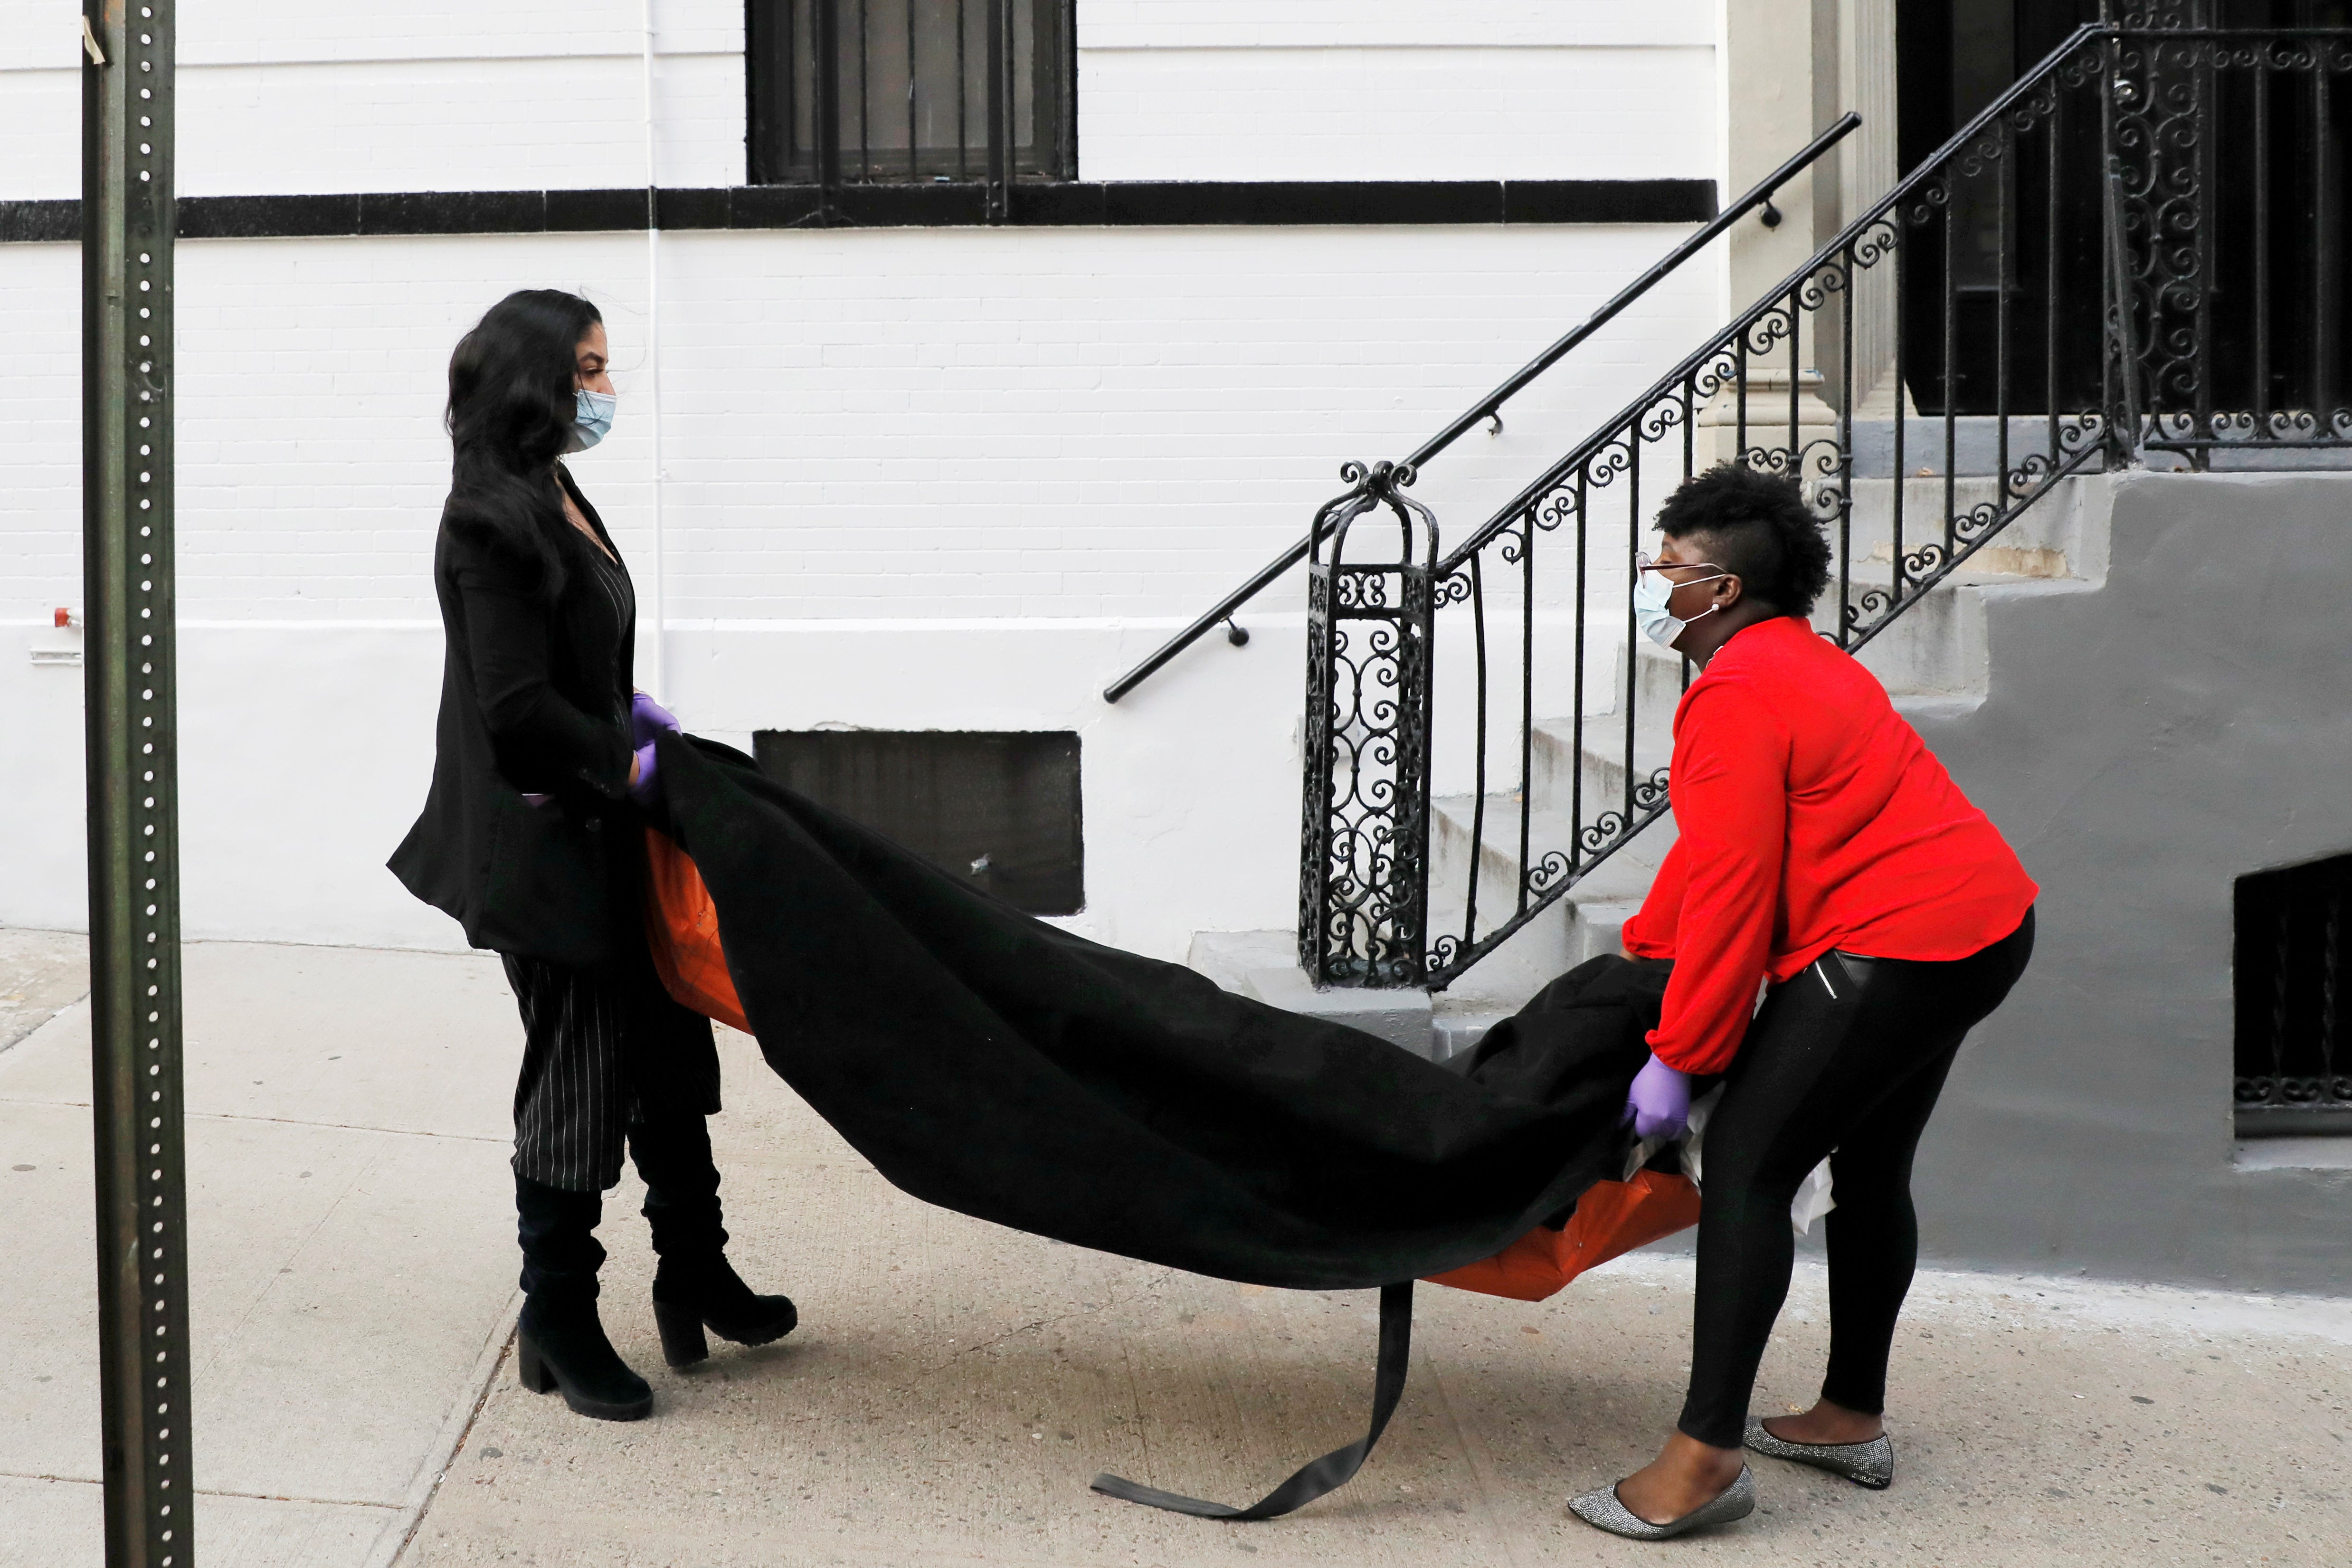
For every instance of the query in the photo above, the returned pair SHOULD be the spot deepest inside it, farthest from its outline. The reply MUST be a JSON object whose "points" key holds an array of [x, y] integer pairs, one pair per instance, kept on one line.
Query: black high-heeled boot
{"points": [[560, 1343], [694, 1287]]}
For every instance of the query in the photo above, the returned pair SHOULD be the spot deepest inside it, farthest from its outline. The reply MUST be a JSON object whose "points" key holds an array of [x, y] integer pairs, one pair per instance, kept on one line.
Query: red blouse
{"points": [[1812, 817]]}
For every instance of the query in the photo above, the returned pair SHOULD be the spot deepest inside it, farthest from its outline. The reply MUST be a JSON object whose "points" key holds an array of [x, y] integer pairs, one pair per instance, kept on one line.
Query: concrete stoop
{"points": [[1935, 659], [1263, 965]]}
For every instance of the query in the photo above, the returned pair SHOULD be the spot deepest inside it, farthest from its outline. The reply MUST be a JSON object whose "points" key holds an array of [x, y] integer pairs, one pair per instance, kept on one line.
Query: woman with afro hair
{"points": [[1827, 861]]}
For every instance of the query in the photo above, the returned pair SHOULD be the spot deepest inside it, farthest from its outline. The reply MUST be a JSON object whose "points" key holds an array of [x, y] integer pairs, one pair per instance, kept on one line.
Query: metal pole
{"points": [[133, 812]]}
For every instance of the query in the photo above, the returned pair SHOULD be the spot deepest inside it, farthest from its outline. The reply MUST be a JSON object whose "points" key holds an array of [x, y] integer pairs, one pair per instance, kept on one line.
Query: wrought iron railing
{"points": [[2045, 293], [2231, 180]]}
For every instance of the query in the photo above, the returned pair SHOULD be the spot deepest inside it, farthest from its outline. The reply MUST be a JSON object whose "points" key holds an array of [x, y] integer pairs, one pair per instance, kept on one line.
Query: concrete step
{"points": [[1626, 872], [1940, 647], [1558, 762], [2057, 536], [1935, 659], [1581, 924], [1263, 965], [1975, 444]]}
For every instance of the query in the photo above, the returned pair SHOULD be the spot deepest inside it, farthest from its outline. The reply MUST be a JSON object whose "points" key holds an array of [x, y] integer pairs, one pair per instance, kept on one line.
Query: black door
{"points": [[2001, 236]]}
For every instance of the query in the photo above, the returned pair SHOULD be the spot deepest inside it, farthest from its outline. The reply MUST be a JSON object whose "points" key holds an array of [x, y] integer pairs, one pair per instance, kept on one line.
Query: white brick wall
{"points": [[916, 478], [913, 479], [909, 423], [1370, 89], [1391, 23], [280, 96], [1311, 113]]}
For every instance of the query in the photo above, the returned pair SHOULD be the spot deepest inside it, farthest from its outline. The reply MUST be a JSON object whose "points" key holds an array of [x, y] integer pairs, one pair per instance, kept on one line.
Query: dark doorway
{"points": [[998, 809], [2236, 258], [2003, 239]]}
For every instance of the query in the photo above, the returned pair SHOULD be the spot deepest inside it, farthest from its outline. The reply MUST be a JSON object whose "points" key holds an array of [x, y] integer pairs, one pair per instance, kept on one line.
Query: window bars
{"points": [[1506, 721], [130, 673], [2293, 1057], [864, 92]]}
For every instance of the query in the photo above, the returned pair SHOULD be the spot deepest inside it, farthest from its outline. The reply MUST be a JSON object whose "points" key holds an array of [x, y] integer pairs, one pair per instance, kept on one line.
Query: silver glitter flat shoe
{"points": [[1869, 1463], [1602, 1508]]}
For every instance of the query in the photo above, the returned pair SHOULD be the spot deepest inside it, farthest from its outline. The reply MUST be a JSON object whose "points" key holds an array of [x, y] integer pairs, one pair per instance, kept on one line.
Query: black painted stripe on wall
{"points": [[1144, 202]]}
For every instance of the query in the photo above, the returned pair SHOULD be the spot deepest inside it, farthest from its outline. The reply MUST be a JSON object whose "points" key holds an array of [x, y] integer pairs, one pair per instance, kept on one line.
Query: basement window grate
{"points": [[999, 810], [876, 92], [2294, 1060]]}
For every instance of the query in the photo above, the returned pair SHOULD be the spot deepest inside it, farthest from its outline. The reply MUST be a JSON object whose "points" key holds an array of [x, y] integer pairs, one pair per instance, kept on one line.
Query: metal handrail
{"points": [[1487, 407]]}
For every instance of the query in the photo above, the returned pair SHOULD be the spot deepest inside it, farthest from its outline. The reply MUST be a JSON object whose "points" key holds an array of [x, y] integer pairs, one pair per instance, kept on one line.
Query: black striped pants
{"points": [[605, 1050]]}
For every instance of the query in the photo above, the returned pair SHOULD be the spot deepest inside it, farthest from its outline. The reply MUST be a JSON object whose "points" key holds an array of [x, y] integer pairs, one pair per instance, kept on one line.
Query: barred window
{"points": [[865, 91], [2294, 1054]]}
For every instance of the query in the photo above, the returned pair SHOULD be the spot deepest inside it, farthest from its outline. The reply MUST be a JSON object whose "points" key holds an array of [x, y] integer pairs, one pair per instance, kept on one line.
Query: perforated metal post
{"points": [[132, 744]]}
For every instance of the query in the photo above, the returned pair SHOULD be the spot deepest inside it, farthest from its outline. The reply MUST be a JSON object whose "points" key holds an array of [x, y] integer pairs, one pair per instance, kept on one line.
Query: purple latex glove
{"points": [[1658, 1104], [647, 783], [648, 718]]}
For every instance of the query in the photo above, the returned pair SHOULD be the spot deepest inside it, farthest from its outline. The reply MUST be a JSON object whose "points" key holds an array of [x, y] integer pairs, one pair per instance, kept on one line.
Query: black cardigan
{"points": [[535, 698]]}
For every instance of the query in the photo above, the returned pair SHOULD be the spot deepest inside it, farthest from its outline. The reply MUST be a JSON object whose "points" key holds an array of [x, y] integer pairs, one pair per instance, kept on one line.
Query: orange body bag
{"points": [[1611, 1218], [682, 930]]}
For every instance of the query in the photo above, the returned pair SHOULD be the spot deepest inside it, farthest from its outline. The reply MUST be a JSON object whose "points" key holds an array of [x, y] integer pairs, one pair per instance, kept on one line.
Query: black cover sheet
{"points": [[995, 1064]]}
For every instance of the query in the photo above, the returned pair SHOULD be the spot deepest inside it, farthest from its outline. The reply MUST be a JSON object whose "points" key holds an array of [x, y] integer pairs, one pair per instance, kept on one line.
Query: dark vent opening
{"points": [[998, 809], [2294, 1060]]}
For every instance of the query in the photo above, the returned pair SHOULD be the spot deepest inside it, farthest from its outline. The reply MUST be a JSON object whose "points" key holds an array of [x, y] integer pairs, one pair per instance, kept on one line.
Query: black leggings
{"points": [[1848, 1056]]}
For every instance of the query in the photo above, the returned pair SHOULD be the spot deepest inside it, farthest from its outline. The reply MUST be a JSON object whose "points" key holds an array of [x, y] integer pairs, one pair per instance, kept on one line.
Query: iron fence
{"points": [[2231, 179]]}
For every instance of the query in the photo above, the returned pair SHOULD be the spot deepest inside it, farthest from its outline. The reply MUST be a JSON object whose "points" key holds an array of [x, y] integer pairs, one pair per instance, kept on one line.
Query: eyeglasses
{"points": [[1646, 561]]}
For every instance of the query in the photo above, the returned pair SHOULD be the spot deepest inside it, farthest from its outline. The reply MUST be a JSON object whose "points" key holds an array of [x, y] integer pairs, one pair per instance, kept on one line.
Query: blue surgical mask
{"points": [[591, 419], [1653, 602]]}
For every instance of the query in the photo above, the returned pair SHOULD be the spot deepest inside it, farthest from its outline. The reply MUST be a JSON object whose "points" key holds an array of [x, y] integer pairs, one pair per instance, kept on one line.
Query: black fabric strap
{"points": [[1334, 1469]]}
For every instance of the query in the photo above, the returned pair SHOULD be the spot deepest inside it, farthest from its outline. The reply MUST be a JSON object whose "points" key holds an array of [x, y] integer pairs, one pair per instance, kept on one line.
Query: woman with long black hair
{"points": [[532, 839], [1827, 859]]}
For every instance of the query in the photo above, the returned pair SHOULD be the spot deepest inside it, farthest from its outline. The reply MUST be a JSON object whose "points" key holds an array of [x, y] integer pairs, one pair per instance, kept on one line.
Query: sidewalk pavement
{"points": [[350, 1235], [955, 1386]]}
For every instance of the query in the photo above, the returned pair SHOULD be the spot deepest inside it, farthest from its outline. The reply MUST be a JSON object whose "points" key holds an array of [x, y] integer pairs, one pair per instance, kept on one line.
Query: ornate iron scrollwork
{"points": [[1363, 887]]}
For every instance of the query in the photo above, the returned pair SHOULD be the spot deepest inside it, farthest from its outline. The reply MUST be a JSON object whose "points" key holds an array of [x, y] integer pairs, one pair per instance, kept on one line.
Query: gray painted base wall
{"points": [[2146, 743]]}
